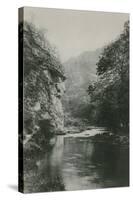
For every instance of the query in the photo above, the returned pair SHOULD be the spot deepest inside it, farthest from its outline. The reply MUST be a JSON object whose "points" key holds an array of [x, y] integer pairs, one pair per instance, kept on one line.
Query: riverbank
{"points": [[77, 127]]}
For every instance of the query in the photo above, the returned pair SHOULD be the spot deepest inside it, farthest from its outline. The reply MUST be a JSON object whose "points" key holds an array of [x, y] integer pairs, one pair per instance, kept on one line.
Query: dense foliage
{"points": [[110, 93]]}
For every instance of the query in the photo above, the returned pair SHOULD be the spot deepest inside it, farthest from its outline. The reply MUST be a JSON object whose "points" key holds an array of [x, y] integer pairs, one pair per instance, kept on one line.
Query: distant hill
{"points": [[80, 71]]}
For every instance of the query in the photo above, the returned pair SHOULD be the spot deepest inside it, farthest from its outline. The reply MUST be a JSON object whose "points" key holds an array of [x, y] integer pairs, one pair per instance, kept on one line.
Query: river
{"points": [[79, 162]]}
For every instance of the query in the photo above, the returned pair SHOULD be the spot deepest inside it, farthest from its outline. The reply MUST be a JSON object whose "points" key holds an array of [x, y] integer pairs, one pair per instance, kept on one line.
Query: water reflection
{"points": [[94, 164], [45, 174], [77, 163]]}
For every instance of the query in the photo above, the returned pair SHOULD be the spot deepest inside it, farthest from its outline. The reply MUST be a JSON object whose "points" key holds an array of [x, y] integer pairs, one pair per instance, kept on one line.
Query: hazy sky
{"points": [[73, 32]]}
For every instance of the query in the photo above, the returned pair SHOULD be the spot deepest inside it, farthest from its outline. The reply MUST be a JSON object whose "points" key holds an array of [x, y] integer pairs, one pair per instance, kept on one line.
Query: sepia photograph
{"points": [[73, 99]]}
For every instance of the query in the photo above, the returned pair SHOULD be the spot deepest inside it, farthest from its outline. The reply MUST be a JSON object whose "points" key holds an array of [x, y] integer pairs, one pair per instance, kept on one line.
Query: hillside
{"points": [[80, 72]]}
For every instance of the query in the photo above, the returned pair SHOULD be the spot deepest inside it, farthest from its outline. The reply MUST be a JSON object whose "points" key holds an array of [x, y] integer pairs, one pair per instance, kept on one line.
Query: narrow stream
{"points": [[79, 162]]}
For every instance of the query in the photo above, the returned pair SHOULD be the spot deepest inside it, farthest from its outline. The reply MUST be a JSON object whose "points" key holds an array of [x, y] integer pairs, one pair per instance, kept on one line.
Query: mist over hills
{"points": [[80, 72]]}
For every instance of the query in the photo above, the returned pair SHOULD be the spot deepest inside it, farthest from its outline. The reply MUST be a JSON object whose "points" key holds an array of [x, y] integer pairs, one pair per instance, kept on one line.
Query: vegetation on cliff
{"points": [[42, 86]]}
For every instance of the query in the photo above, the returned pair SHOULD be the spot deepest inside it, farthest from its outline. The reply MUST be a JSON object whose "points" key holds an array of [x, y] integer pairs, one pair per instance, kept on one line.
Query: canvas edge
{"points": [[20, 101]]}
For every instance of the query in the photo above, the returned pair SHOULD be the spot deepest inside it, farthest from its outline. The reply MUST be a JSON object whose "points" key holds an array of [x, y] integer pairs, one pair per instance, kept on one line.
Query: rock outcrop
{"points": [[43, 88]]}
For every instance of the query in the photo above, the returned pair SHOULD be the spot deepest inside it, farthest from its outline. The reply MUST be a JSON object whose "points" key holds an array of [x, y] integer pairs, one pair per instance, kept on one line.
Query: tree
{"points": [[111, 91]]}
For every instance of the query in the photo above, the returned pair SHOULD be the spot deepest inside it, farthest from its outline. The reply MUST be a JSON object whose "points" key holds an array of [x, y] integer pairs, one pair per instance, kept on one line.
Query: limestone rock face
{"points": [[43, 88]]}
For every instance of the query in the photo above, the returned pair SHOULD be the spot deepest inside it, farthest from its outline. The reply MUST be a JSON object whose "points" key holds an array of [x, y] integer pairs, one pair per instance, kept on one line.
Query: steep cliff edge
{"points": [[43, 87]]}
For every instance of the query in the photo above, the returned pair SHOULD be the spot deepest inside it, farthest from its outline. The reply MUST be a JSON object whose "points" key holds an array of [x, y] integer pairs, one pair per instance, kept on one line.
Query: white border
{"points": [[8, 97]]}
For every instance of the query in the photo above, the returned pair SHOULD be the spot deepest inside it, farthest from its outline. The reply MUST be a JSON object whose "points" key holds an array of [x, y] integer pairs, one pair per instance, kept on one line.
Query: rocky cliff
{"points": [[43, 87]]}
